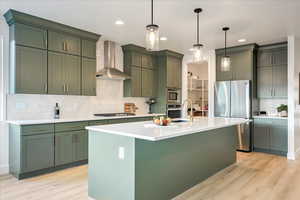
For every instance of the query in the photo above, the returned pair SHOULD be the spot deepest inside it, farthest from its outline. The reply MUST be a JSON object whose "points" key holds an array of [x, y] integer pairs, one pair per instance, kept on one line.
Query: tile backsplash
{"points": [[270, 105]]}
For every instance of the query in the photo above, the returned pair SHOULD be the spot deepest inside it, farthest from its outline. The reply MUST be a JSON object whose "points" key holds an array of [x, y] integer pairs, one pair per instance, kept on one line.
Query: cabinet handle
{"points": [[67, 88], [63, 46], [66, 46], [274, 92], [64, 87]]}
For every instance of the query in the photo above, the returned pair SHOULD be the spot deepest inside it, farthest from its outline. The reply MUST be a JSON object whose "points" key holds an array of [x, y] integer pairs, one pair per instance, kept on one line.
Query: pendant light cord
{"points": [[225, 42], [197, 28], [151, 11]]}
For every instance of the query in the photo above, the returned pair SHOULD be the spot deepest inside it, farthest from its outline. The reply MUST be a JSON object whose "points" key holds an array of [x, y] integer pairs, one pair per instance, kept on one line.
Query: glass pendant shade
{"points": [[152, 37], [225, 63], [198, 53]]}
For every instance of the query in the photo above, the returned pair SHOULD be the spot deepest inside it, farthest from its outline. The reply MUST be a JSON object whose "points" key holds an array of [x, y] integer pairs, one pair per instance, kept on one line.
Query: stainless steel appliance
{"points": [[174, 96], [174, 110], [233, 100]]}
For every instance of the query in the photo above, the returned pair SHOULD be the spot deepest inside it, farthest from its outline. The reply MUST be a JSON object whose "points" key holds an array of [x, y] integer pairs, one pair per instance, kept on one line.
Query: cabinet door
{"points": [[279, 57], [147, 61], [37, 152], [31, 71], [63, 43], [64, 148], [221, 75], [279, 135], [72, 74], [88, 77], [147, 82], [30, 36], [136, 82], [264, 58], [56, 79], [261, 138], [264, 82], [89, 49], [81, 145], [279, 74], [241, 63], [173, 72], [136, 59]]}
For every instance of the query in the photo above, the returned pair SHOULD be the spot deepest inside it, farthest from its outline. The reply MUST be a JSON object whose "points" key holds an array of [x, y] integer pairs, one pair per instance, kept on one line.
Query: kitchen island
{"points": [[143, 161]]}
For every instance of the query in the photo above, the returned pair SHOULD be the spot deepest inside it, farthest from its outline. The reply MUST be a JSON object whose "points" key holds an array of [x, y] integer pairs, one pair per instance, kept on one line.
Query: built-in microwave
{"points": [[173, 96]]}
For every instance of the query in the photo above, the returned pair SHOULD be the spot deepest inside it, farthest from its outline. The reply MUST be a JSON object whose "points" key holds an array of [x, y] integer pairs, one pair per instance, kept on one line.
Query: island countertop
{"points": [[149, 131]]}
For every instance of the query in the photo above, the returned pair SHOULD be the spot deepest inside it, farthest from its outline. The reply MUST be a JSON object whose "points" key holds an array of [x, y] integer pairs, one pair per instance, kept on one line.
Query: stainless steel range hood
{"points": [[110, 71]]}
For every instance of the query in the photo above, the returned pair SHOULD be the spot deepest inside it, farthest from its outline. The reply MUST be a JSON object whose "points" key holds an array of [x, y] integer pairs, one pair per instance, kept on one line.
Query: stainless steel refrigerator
{"points": [[233, 100]]}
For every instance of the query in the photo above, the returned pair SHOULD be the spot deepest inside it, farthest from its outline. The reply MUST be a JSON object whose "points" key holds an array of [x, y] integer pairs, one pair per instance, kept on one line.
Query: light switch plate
{"points": [[121, 153]]}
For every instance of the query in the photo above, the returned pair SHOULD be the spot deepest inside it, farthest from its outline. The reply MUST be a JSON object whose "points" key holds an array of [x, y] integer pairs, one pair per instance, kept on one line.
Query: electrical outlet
{"points": [[121, 153]]}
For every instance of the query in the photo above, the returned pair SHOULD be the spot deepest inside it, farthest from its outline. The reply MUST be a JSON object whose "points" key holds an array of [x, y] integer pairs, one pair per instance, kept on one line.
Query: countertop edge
{"points": [[180, 133]]}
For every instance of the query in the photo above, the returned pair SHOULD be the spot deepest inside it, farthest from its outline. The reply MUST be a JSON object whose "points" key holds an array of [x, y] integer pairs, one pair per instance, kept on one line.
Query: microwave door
{"points": [[222, 99]]}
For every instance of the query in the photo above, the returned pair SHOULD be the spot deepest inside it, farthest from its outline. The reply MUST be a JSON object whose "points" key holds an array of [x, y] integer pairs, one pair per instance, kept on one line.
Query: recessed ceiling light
{"points": [[163, 38], [242, 40], [119, 22], [191, 49]]}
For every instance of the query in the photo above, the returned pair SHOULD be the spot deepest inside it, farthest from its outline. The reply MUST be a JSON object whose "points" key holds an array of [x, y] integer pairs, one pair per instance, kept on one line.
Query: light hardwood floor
{"points": [[255, 176]]}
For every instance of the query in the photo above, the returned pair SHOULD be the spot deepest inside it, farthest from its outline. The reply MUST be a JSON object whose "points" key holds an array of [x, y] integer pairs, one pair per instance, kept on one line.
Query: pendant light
{"points": [[152, 34], [225, 61], [198, 48]]}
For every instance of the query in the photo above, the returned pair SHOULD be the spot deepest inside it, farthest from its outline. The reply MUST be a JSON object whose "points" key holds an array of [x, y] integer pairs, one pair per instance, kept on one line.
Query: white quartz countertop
{"points": [[149, 131], [92, 118], [269, 117]]}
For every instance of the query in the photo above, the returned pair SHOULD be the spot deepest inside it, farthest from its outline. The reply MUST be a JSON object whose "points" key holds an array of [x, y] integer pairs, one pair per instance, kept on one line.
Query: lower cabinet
{"points": [[71, 146], [270, 135], [41, 148], [37, 152]]}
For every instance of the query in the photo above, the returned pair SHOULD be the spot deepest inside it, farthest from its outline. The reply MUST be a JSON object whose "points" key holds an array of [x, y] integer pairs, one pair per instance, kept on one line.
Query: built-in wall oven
{"points": [[174, 96], [174, 110]]}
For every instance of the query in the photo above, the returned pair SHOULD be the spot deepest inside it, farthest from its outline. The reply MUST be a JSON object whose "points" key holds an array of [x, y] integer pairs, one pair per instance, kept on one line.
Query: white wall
{"points": [[293, 96], [109, 98]]}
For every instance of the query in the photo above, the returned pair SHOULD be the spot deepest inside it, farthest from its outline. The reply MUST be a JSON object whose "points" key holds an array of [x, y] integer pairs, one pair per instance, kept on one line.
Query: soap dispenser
{"points": [[56, 111]]}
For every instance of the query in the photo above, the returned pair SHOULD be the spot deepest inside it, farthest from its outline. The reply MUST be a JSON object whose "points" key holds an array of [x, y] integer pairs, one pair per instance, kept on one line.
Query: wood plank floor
{"points": [[255, 176]]}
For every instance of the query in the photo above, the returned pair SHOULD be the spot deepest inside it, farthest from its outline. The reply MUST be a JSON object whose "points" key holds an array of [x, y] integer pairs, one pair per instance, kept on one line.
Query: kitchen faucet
{"points": [[191, 114]]}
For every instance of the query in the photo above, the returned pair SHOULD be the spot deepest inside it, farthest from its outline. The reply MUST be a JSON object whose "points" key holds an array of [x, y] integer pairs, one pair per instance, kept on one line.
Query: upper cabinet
{"points": [[59, 57], [272, 71], [174, 72], [29, 36], [242, 63], [139, 64], [64, 43]]}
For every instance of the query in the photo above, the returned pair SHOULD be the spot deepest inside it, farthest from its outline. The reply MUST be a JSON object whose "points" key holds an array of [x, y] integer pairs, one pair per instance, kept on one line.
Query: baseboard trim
{"points": [[4, 169]]}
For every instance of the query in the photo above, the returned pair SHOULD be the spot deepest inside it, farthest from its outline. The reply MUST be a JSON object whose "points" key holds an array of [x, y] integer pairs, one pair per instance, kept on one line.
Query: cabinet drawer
{"points": [[64, 43], [98, 122], [37, 129], [70, 126], [88, 48], [30, 36]]}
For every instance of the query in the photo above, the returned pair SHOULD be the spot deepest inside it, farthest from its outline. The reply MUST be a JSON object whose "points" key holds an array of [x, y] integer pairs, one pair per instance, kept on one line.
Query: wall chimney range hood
{"points": [[110, 72]]}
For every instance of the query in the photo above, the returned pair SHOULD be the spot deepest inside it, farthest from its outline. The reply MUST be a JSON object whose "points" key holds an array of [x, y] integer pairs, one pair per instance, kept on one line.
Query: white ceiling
{"points": [[260, 21]]}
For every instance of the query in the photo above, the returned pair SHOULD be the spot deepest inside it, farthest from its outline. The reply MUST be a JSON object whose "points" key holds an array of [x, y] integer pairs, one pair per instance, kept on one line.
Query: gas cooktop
{"points": [[113, 114]]}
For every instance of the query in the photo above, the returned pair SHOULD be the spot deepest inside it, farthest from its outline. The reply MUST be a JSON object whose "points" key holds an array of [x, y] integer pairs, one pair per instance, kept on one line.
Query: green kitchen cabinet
{"points": [[89, 49], [30, 36], [30, 71], [271, 135], [64, 43], [242, 66], [174, 72], [64, 147], [64, 74], [272, 71], [265, 82], [88, 77], [133, 86], [80, 145], [33, 41], [147, 61], [37, 152], [147, 83], [136, 59]]}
